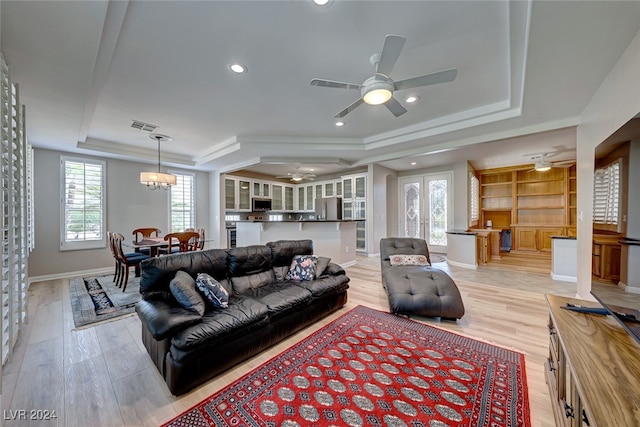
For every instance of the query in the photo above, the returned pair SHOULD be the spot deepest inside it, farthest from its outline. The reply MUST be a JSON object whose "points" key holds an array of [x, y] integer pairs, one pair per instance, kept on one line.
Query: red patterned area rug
{"points": [[369, 368]]}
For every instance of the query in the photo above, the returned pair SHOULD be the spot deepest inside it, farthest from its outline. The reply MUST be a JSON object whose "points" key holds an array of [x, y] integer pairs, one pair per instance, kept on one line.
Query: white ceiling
{"points": [[525, 73]]}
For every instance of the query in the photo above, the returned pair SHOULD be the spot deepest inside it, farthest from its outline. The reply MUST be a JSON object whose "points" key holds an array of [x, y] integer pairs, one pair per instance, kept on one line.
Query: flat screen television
{"points": [[628, 317], [260, 204]]}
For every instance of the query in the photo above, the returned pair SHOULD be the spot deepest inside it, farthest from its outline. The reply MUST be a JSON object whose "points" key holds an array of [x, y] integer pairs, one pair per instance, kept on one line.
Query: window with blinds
{"points": [[182, 203], [606, 194], [83, 203], [474, 197]]}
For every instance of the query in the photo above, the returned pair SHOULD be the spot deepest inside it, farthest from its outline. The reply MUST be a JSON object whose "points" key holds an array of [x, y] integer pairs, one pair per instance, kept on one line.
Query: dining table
{"points": [[153, 243]]}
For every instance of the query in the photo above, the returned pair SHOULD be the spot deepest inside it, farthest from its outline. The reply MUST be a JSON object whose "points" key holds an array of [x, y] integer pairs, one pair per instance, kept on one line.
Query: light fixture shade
{"points": [[157, 179], [377, 96]]}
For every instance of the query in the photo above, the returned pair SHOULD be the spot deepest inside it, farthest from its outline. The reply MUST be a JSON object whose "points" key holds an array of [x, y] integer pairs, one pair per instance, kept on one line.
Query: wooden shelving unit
{"points": [[534, 205]]}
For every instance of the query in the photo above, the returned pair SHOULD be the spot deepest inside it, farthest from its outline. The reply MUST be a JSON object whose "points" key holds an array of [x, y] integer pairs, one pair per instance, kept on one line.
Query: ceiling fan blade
{"points": [[331, 83], [428, 79], [390, 52], [349, 109], [395, 107]]}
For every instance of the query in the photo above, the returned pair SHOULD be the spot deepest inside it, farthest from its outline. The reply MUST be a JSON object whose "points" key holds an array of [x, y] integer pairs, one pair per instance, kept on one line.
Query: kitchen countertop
{"points": [[302, 220]]}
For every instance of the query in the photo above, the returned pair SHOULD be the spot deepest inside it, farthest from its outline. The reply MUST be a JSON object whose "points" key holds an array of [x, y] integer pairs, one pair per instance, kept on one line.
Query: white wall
{"points": [[382, 204], [461, 195], [129, 205], [616, 101]]}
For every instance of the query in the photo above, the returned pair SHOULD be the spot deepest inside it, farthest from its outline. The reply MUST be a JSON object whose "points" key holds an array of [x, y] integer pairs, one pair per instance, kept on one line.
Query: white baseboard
{"points": [[376, 255], [463, 265], [629, 289], [347, 264], [563, 278], [70, 274]]}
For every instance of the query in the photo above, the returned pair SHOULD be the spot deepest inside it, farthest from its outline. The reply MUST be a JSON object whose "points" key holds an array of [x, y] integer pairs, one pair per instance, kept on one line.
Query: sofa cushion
{"points": [[246, 284], [243, 314], [413, 259], [280, 272], [283, 251], [281, 297], [326, 285], [184, 290], [249, 260], [321, 266], [212, 290], [303, 267]]}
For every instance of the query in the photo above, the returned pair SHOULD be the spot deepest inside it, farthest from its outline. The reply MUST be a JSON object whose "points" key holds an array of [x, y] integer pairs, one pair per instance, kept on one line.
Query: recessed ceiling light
{"points": [[340, 123], [321, 2], [411, 99], [238, 68], [414, 163]]}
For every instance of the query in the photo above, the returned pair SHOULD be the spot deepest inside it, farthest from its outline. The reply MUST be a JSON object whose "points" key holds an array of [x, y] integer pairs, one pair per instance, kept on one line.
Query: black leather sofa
{"points": [[264, 308], [417, 289]]}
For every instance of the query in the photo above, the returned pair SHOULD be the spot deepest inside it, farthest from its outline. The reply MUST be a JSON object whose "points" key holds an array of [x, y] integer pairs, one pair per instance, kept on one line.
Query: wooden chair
{"points": [[187, 241], [143, 233], [125, 261], [199, 242], [116, 270]]}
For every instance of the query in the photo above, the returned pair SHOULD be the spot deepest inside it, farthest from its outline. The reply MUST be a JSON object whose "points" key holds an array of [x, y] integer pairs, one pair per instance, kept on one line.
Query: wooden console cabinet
{"points": [[606, 253], [593, 368]]}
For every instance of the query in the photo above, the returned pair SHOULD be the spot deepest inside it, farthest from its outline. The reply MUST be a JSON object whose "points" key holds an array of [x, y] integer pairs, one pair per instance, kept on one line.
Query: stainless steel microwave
{"points": [[260, 204]]}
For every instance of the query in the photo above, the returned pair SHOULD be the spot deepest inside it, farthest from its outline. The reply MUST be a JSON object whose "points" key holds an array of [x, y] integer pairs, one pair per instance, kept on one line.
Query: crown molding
{"points": [[142, 155]]}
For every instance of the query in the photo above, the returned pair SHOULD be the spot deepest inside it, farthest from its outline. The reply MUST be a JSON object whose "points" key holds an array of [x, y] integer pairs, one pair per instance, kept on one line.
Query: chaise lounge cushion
{"points": [[416, 289]]}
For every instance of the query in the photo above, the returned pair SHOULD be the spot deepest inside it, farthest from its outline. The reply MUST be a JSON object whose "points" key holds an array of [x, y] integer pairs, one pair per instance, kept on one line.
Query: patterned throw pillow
{"points": [[303, 267], [409, 260], [212, 290]]}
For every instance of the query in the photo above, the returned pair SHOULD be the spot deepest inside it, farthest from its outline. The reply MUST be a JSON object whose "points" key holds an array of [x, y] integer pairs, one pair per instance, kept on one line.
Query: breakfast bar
{"points": [[333, 238]]}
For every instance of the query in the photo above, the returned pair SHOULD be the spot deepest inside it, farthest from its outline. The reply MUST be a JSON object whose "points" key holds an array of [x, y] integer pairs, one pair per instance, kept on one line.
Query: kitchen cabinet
{"points": [[277, 201], [301, 198], [237, 194], [261, 189], [289, 195], [309, 196], [328, 189], [354, 203]]}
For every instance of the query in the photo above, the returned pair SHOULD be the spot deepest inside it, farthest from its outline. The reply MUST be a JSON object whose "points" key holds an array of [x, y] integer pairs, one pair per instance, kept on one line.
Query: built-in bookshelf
{"points": [[533, 205]]}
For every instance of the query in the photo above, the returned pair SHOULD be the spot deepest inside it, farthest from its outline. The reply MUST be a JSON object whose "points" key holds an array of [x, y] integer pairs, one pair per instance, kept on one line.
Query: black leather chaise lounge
{"points": [[413, 288]]}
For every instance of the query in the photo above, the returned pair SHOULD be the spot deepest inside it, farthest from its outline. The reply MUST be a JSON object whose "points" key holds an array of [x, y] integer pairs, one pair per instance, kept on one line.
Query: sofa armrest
{"points": [[163, 319], [333, 269]]}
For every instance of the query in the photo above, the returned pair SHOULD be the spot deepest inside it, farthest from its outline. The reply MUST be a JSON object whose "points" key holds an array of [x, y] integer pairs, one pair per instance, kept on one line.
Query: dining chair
{"points": [[187, 241], [143, 233], [125, 261], [115, 256], [199, 243]]}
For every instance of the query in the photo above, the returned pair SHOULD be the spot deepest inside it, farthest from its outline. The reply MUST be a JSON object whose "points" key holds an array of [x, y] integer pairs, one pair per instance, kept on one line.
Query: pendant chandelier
{"points": [[155, 180]]}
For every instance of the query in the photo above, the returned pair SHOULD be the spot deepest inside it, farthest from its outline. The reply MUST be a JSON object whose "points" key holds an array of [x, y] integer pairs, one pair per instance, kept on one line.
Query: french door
{"points": [[425, 208]]}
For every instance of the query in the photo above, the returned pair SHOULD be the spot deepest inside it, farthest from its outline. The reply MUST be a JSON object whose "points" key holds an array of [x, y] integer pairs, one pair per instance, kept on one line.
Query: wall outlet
{"points": [[346, 249]]}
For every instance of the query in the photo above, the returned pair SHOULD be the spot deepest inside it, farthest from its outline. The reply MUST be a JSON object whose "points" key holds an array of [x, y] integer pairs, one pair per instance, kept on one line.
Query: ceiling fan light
{"points": [[296, 178], [542, 166], [377, 96]]}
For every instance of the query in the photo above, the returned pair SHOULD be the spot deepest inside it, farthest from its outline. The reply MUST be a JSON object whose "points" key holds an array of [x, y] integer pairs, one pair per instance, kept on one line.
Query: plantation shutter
{"points": [[83, 204], [606, 194], [182, 203]]}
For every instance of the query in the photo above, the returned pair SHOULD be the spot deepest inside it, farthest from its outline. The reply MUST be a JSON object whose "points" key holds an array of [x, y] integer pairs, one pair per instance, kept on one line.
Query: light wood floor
{"points": [[102, 375]]}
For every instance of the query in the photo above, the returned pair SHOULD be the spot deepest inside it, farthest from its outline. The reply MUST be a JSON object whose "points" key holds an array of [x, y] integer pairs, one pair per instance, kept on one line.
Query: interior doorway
{"points": [[426, 208]]}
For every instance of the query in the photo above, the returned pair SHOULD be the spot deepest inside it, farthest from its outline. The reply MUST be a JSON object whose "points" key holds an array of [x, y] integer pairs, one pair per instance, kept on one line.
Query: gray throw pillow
{"points": [[321, 266], [212, 290], [183, 288]]}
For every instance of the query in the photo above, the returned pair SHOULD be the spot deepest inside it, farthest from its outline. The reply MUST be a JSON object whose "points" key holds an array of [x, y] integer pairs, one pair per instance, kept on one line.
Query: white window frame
{"points": [[192, 212], [607, 185], [88, 243]]}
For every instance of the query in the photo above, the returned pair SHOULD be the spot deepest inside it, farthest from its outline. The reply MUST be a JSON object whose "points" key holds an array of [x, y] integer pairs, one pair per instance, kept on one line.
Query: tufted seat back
{"points": [[403, 245]]}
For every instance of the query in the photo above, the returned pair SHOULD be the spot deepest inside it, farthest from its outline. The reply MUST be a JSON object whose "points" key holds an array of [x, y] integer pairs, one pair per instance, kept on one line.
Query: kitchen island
{"points": [[331, 238]]}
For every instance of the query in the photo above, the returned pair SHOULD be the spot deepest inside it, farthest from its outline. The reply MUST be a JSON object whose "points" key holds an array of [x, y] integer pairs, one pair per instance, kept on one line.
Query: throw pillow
{"points": [[183, 288], [212, 290], [303, 267], [323, 263], [409, 260]]}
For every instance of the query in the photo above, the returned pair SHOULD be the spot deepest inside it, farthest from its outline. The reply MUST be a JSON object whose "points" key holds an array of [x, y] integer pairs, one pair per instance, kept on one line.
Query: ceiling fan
{"points": [[543, 164], [298, 176], [379, 88]]}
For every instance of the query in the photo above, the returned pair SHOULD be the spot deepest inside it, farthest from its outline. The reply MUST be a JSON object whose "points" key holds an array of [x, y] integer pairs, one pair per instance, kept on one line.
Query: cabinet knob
{"points": [[568, 410]]}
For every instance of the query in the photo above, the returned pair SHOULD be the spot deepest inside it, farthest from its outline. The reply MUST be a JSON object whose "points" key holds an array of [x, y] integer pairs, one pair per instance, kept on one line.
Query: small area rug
{"points": [[369, 368], [95, 299]]}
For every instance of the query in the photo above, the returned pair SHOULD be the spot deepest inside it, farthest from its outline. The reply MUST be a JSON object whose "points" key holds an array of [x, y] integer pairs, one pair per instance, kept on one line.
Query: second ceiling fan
{"points": [[379, 88]]}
